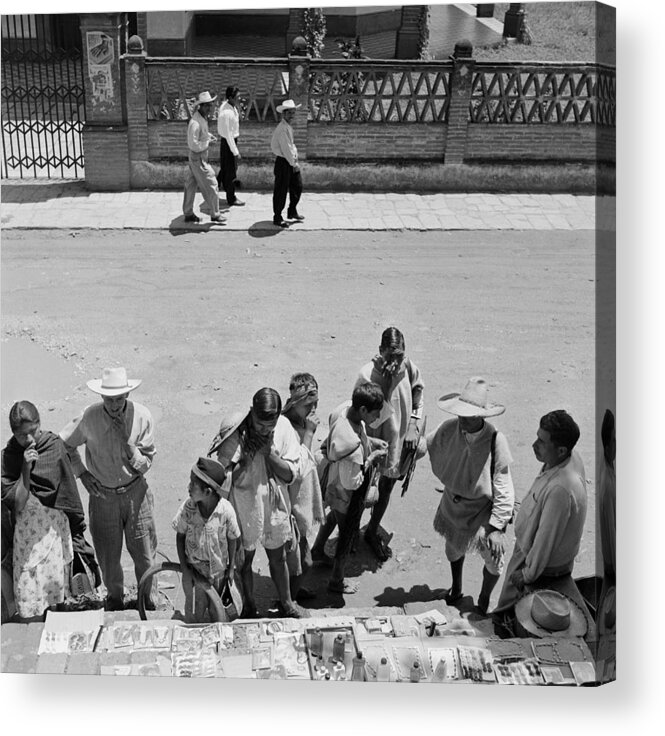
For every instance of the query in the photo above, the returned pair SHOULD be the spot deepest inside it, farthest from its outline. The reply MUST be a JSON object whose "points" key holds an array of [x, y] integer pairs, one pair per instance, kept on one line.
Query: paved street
{"points": [[68, 205]]}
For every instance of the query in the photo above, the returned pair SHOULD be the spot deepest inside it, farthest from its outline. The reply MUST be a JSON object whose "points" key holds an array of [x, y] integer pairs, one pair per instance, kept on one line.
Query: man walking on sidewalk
{"points": [[119, 448], [200, 174], [228, 127], [287, 170]]}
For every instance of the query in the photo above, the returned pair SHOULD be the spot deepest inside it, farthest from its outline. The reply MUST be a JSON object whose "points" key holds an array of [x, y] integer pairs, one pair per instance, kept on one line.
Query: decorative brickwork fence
{"points": [[445, 112]]}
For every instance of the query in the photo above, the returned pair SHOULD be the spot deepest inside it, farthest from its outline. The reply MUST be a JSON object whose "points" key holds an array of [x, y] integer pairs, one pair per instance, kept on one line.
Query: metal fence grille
{"points": [[43, 101]]}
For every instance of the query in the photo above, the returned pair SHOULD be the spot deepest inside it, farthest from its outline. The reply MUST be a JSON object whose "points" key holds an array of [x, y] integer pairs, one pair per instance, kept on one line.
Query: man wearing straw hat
{"points": [[200, 174], [472, 459], [119, 449], [287, 169], [550, 521]]}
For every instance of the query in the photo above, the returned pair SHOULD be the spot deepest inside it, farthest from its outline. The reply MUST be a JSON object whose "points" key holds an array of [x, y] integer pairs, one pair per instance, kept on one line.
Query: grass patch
{"points": [[564, 31], [376, 177]]}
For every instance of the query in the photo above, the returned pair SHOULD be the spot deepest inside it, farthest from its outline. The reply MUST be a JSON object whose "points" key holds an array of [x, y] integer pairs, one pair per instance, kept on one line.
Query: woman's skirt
{"points": [[42, 556]]}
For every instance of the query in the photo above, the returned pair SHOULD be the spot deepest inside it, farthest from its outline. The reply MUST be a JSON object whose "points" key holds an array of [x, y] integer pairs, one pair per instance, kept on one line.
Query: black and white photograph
{"points": [[309, 348]]}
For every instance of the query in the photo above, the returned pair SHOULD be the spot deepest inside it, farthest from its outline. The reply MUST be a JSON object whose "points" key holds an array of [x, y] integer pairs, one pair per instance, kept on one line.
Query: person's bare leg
{"points": [[279, 572], [489, 583], [457, 569], [325, 530], [247, 577]]}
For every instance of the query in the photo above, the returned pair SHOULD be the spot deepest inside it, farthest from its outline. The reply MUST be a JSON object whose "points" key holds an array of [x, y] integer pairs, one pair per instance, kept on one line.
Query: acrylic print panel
{"points": [[204, 326]]}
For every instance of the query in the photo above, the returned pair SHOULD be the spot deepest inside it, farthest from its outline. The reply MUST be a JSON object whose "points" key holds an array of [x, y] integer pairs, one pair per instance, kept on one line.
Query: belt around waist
{"points": [[122, 489]]}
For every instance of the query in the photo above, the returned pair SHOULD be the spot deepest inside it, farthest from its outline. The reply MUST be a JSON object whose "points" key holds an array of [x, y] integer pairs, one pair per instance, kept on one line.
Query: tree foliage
{"points": [[314, 31]]}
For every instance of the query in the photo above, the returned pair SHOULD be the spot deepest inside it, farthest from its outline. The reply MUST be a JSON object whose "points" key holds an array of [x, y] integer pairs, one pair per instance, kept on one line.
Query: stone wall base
{"points": [[382, 177]]}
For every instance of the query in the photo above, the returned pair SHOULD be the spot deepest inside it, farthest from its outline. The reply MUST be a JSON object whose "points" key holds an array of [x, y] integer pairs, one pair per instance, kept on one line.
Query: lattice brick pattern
{"points": [[533, 94], [371, 93], [172, 87]]}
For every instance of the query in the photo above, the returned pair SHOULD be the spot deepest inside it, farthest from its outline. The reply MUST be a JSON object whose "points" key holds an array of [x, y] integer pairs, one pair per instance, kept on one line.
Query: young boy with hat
{"points": [[206, 535]]}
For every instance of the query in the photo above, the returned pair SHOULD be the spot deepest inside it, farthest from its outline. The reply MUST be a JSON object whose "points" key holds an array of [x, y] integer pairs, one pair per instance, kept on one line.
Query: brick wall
{"points": [[106, 157], [564, 143], [453, 139], [376, 142], [168, 141]]}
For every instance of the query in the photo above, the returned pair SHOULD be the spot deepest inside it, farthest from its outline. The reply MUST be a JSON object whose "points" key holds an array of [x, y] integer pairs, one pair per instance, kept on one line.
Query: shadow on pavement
{"points": [[264, 229], [400, 596], [37, 192], [178, 226]]}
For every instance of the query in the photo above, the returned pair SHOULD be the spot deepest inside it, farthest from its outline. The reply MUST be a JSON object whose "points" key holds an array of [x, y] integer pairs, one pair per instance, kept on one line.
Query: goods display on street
{"points": [[426, 647]]}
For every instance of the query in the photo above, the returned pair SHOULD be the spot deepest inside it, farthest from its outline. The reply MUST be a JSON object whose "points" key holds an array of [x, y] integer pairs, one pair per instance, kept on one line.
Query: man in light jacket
{"points": [[200, 174]]}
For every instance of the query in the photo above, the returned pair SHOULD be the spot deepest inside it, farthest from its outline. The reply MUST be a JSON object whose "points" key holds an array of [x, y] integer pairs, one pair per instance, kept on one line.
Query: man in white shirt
{"points": [[228, 127], [287, 170], [200, 174]]}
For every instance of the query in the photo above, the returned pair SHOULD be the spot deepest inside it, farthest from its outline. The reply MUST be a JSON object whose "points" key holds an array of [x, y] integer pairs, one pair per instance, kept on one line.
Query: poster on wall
{"points": [[100, 58]]}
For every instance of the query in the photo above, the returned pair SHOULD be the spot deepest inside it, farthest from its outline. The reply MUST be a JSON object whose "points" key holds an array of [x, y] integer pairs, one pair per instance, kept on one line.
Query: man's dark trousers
{"points": [[286, 181], [228, 170]]}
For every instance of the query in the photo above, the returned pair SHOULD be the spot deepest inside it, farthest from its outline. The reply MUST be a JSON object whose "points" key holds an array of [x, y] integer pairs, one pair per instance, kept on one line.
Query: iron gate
{"points": [[43, 99]]}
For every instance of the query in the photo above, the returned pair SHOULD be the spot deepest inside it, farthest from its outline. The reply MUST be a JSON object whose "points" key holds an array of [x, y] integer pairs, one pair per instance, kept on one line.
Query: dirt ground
{"points": [[206, 320]]}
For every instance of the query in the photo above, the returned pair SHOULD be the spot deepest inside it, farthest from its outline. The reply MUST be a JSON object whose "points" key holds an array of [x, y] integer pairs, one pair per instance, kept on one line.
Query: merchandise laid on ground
{"points": [[377, 644]]}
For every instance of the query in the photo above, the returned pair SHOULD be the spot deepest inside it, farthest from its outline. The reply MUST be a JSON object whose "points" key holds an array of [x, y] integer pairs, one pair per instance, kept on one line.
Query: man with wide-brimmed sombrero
{"points": [[119, 449], [288, 179], [472, 459], [200, 174]]}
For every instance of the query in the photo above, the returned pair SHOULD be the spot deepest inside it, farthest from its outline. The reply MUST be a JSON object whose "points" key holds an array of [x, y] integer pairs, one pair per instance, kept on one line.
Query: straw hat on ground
{"points": [[549, 613]]}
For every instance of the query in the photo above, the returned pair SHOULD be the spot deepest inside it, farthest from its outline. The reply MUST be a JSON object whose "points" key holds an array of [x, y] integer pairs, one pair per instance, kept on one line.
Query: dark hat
{"points": [[210, 472]]}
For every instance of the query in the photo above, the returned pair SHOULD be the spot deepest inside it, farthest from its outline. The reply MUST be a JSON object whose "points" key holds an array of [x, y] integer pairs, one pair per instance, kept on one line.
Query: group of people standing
{"points": [[201, 176], [264, 481]]}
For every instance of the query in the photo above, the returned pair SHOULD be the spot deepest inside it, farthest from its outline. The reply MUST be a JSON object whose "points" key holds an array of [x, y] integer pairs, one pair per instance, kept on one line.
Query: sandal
{"points": [[344, 587], [378, 546], [295, 612]]}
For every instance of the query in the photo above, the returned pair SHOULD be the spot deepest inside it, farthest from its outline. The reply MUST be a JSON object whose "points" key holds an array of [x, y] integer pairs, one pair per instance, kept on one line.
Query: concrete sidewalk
{"points": [[69, 206]]}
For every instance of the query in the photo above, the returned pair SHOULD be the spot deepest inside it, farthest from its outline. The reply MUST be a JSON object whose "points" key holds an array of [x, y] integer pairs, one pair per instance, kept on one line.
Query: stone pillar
{"points": [[408, 35], [299, 61], [296, 26], [512, 21], [105, 146], [136, 103], [460, 97]]}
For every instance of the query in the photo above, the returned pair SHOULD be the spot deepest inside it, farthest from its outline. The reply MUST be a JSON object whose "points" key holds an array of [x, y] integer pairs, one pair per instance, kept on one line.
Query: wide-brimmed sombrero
{"points": [[549, 613], [114, 382], [472, 402]]}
